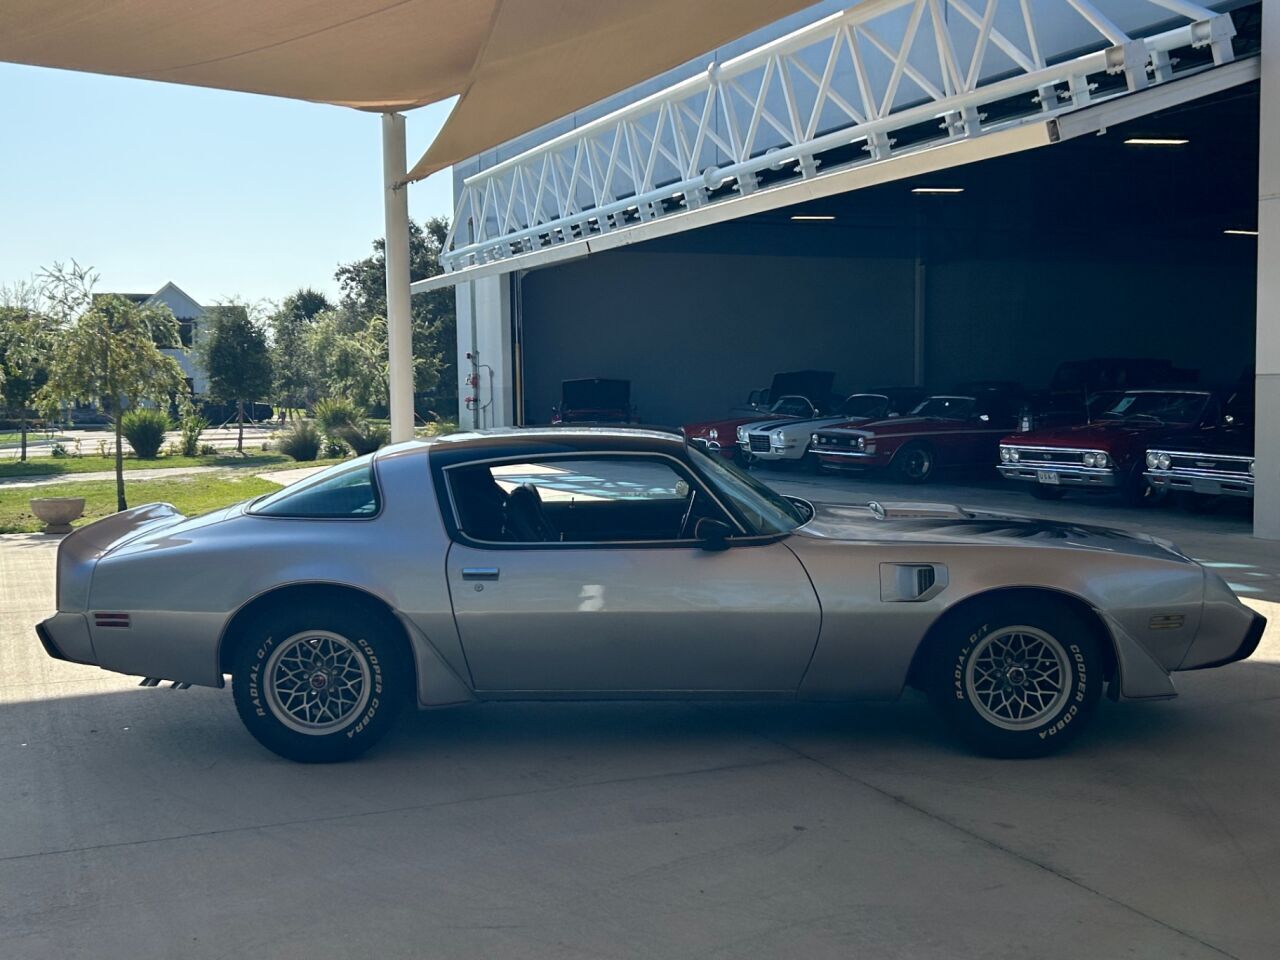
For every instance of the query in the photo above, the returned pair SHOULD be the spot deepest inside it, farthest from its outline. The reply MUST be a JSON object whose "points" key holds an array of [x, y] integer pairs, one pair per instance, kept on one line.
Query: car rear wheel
{"points": [[914, 463], [321, 685], [1018, 678]]}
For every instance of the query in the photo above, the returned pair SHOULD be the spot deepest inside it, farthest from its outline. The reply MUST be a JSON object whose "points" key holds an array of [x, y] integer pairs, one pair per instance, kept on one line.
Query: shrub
{"points": [[334, 447], [208, 450], [365, 437], [192, 426], [59, 450], [334, 413], [144, 429], [302, 442]]}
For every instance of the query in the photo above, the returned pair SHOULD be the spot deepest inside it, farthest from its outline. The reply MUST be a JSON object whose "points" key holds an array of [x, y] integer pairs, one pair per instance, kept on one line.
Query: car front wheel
{"points": [[320, 686], [1017, 679], [914, 463]]}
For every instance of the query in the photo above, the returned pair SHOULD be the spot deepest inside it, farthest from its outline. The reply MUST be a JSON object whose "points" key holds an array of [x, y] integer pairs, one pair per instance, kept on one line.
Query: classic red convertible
{"points": [[960, 429], [1109, 454]]}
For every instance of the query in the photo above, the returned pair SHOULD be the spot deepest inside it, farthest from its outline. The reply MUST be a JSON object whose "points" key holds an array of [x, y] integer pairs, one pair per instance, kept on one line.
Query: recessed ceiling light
{"points": [[1241, 233], [937, 190], [813, 216], [1156, 142]]}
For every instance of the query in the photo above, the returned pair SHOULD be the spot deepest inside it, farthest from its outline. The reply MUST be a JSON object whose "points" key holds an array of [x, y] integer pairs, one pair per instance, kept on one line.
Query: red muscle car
{"points": [[1108, 454], [960, 429]]}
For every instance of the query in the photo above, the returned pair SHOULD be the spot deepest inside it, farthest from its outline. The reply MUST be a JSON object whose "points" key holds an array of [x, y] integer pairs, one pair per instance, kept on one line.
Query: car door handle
{"points": [[479, 573]]}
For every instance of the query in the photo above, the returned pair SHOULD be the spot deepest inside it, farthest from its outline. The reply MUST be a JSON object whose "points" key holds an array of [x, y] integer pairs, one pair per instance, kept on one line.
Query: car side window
{"points": [[343, 492], [606, 499]]}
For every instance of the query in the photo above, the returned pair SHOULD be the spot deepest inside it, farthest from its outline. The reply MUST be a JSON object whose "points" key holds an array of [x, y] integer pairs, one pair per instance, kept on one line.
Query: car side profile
{"points": [[614, 563]]}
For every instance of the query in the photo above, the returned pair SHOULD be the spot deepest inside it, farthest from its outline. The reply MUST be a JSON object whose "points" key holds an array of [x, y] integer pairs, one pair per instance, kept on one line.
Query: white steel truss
{"points": [[881, 79]]}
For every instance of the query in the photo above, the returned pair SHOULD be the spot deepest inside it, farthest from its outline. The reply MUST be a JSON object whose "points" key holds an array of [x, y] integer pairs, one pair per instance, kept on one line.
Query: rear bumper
{"points": [[65, 636], [1101, 477]]}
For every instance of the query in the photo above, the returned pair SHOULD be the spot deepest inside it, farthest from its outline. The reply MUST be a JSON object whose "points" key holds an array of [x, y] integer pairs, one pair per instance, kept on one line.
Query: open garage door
{"points": [[887, 90]]}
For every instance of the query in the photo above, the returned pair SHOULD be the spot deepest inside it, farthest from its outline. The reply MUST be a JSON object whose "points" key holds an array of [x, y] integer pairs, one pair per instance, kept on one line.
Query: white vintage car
{"points": [[786, 440]]}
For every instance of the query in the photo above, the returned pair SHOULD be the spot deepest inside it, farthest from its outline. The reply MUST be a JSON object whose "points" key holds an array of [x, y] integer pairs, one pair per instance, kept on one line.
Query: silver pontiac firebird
{"points": [[581, 563]]}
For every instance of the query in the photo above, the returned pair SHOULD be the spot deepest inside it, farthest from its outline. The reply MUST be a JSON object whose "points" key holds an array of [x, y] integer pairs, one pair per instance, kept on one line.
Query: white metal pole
{"points": [[399, 332]]}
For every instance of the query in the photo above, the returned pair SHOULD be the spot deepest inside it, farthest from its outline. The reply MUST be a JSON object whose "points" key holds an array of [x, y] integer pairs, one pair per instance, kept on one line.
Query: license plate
{"points": [[1047, 476]]}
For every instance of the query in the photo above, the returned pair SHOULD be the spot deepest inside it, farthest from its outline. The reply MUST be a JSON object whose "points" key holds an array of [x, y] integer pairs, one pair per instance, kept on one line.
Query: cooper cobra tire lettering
{"points": [[387, 666], [1016, 635]]}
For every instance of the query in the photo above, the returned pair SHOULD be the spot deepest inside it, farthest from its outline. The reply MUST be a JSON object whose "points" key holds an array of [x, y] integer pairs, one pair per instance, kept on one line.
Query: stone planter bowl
{"points": [[57, 512]]}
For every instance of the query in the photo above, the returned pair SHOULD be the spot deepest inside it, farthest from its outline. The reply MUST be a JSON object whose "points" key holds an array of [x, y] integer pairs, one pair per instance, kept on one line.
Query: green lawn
{"points": [[57, 466], [192, 495]]}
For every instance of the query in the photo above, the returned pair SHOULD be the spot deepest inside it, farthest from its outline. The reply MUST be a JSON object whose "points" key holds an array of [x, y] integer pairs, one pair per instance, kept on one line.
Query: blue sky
{"points": [[226, 194]]}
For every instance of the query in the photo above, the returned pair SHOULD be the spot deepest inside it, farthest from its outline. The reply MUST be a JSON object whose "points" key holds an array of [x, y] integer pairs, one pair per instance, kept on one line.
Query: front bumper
{"points": [[1252, 637], [1205, 484], [1103, 478], [772, 453], [850, 459], [65, 636]]}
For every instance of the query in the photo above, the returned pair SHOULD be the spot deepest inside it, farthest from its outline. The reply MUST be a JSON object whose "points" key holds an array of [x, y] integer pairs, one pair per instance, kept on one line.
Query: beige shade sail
{"points": [[515, 63]]}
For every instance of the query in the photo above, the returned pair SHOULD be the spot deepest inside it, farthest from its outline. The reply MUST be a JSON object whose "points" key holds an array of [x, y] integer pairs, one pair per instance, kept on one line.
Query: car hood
{"points": [[807, 423], [1224, 440], [947, 523], [899, 425], [1108, 435]]}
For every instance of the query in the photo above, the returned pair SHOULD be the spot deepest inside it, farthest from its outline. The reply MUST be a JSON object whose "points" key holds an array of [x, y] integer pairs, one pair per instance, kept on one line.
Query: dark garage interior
{"points": [[1092, 247]]}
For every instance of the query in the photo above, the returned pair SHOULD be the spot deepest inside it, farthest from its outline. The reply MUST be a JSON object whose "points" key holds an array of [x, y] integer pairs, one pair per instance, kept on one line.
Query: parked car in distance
{"points": [[958, 429], [789, 440], [1108, 454], [814, 384], [608, 563], [721, 436], [594, 400], [1211, 463], [1081, 389]]}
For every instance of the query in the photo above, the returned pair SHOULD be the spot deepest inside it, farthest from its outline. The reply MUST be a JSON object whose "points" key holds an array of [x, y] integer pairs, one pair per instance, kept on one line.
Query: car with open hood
{"points": [[613, 563], [594, 400]]}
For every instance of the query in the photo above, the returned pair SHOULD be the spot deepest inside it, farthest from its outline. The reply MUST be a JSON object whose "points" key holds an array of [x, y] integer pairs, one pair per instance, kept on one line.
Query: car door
{"points": [[612, 613]]}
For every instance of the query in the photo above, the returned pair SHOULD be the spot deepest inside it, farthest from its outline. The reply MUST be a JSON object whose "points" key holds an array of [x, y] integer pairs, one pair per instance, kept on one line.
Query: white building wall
{"points": [[1266, 511]]}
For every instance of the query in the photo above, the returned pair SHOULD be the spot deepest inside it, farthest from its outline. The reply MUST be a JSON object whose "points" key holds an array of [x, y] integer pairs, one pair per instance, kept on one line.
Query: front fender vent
{"points": [[911, 582]]}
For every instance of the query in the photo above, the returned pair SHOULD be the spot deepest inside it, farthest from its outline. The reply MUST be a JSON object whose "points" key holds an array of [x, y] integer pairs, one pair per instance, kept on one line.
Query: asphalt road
{"points": [[144, 823]]}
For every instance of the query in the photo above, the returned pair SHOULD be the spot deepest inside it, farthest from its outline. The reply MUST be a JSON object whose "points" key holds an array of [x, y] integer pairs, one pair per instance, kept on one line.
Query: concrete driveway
{"points": [[145, 823]]}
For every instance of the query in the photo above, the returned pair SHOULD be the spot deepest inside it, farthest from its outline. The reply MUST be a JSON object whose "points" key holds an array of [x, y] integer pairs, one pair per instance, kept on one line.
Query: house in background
{"points": [[188, 314]]}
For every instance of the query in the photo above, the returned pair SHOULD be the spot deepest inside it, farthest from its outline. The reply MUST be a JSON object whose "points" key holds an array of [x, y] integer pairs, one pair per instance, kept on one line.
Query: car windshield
{"points": [[764, 511], [865, 406], [793, 407], [948, 408], [1158, 406]]}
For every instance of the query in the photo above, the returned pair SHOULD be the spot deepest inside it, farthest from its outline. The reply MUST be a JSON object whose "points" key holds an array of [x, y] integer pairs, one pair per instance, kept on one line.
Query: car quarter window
{"points": [[343, 492], [577, 500]]}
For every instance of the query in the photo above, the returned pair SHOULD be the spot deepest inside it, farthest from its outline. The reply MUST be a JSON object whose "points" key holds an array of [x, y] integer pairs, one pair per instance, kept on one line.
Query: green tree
{"points": [[26, 348], [295, 378], [235, 357], [109, 354], [364, 296]]}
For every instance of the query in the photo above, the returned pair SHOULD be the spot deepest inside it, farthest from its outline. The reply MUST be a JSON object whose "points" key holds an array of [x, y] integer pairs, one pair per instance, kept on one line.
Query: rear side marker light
{"points": [[111, 620]]}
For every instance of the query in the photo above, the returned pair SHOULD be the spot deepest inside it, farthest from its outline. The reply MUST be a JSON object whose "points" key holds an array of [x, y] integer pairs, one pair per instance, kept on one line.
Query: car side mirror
{"points": [[985, 418], [712, 534]]}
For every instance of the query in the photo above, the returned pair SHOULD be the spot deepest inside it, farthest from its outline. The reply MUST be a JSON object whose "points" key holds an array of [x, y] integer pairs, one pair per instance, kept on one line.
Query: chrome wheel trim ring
{"points": [[919, 463], [317, 682], [1018, 677]]}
